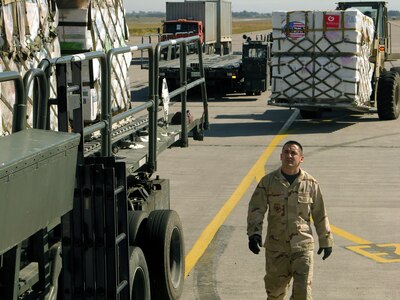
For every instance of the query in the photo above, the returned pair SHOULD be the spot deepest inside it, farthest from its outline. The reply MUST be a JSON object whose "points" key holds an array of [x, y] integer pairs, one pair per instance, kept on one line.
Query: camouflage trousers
{"points": [[281, 267]]}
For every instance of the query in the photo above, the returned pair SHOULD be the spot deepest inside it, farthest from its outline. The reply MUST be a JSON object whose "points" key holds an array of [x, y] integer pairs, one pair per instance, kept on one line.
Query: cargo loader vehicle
{"points": [[256, 61], [82, 217], [338, 64], [248, 72], [225, 72]]}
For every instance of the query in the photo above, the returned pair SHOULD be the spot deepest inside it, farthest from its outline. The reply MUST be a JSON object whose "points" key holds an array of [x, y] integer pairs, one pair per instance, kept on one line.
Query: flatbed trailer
{"points": [[81, 216], [223, 72]]}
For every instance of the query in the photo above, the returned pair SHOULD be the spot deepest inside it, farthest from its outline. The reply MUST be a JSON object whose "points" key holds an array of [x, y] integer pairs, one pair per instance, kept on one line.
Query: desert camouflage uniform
{"points": [[289, 243]]}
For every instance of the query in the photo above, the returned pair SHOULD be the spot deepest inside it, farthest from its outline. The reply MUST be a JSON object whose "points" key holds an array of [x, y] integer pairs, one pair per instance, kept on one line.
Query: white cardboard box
{"points": [[322, 55], [321, 31], [323, 78]]}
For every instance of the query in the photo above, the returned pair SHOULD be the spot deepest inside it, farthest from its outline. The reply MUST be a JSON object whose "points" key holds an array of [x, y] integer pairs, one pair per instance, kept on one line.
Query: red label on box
{"points": [[332, 21]]}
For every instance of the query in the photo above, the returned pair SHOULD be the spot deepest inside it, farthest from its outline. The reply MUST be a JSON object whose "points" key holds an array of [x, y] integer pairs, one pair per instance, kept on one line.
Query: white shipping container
{"points": [[204, 11]]}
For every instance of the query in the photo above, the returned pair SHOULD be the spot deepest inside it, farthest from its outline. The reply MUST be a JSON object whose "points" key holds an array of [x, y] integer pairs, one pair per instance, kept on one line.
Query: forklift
{"points": [[385, 94]]}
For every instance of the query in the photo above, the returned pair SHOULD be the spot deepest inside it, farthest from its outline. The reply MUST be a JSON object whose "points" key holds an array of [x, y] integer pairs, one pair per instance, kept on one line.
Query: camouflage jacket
{"points": [[290, 208]]}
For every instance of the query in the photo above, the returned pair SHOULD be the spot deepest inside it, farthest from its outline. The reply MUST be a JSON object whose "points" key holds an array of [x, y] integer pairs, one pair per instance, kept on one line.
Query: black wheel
{"points": [[138, 275], [388, 96], [249, 93], [137, 227], [198, 134], [311, 114], [258, 93], [165, 254], [395, 69]]}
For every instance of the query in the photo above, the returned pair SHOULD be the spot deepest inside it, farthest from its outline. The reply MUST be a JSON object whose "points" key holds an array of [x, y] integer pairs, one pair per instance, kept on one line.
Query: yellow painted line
{"points": [[396, 246], [256, 172], [376, 256], [348, 236]]}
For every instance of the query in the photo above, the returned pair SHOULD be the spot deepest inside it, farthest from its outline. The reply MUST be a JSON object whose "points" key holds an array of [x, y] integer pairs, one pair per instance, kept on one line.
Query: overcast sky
{"points": [[251, 5]]}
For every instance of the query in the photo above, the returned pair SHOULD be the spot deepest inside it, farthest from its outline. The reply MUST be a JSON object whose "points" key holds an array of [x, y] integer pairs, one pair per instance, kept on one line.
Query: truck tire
{"points": [[165, 254], [311, 114], [388, 102], [138, 275], [137, 227], [395, 69]]}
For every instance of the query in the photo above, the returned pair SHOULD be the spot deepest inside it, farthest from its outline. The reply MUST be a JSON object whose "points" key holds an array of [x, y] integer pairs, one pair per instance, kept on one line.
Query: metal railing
{"points": [[184, 85], [19, 109], [41, 102]]}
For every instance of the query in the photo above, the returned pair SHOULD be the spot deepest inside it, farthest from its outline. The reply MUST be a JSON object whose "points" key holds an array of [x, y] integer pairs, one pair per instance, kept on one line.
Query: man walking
{"points": [[291, 196]]}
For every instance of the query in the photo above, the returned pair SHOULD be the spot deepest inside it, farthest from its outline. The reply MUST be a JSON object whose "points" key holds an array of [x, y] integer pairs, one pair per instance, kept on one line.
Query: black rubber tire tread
{"points": [[388, 103], [395, 69], [311, 114], [138, 275], [137, 227], [165, 254]]}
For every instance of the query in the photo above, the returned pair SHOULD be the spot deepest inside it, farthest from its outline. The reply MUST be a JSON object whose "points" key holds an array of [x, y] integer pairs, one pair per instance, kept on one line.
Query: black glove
{"points": [[254, 243], [327, 252]]}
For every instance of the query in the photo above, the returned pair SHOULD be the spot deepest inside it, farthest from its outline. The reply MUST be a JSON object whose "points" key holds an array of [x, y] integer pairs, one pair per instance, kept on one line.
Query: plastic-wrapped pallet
{"points": [[97, 26], [27, 36], [31, 32], [322, 57]]}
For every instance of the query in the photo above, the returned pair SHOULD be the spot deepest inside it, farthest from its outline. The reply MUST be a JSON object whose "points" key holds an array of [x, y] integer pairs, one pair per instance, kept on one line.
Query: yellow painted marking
{"points": [[368, 249], [348, 236], [370, 252], [361, 250], [395, 246], [256, 172]]}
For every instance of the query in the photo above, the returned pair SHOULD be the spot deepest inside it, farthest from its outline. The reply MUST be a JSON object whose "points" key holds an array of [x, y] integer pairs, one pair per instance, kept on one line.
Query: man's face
{"points": [[291, 157]]}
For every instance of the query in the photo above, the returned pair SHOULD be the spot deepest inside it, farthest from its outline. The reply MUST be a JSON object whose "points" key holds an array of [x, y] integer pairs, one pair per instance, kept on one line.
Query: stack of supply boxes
{"points": [[97, 25], [36, 29], [322, 57], [27, 35]]}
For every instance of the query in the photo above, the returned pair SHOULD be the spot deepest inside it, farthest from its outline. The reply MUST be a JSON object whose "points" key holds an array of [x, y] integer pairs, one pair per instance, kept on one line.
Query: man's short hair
{"points": [[293, 143]]}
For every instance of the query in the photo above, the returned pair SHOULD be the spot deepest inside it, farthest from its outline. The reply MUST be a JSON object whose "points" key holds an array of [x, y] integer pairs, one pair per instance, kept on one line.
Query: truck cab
{"points": [[182, 28]]}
